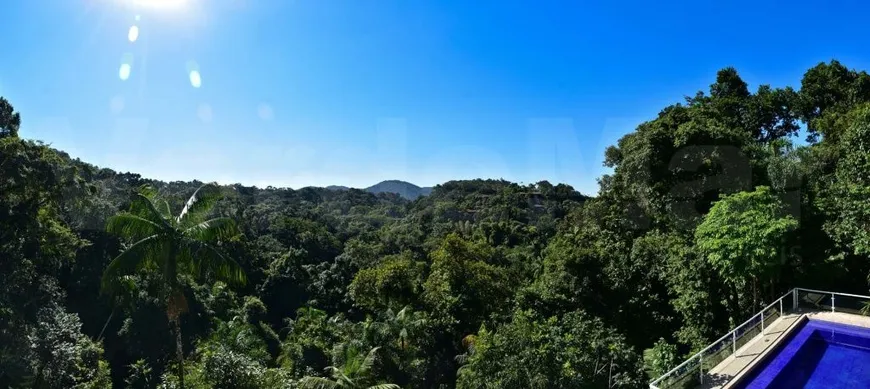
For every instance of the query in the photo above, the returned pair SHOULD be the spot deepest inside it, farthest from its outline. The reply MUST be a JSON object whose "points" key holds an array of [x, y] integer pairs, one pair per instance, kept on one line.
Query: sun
{"points": [[159, 3]]}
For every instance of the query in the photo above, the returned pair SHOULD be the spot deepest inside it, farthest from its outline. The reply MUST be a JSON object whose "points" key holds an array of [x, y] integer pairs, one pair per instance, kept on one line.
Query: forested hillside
{"points": [[710, 211], [404, 189]]}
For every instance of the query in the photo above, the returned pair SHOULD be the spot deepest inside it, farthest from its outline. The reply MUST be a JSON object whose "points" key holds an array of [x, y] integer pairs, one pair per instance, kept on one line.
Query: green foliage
{"points": [[355, 372], [742, 238], [309, 342], [187, 245], [709, 210], [404, 338], [234, 356], [848, 204], [694, 287], [35, 245], [659, 359], [462, 288], [572, 351], [10, 121], [62, 357], [393, 283], [743, 234], [827, 90], [140, 376], [172, 245]]}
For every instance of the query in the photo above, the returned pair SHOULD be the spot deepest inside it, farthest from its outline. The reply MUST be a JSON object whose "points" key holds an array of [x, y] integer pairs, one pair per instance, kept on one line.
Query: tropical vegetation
{"points": [[719, 203]]}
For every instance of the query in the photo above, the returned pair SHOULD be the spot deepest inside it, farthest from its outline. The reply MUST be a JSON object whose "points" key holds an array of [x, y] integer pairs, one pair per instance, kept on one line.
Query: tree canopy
{"points": [[711, 207]]}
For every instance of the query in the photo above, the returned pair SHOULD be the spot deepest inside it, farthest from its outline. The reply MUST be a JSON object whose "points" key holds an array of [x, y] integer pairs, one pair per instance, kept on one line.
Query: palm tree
{"points": [[403, 322], [353, 374], [397, 329], [186, 244]]}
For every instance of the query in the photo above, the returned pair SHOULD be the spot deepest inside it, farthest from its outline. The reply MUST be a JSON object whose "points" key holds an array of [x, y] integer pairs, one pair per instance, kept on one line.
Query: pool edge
{"points": [[789, 331]]}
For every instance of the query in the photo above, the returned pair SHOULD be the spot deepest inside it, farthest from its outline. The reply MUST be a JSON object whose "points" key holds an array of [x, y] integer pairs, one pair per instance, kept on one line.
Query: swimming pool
{"points": [[819, 355]]}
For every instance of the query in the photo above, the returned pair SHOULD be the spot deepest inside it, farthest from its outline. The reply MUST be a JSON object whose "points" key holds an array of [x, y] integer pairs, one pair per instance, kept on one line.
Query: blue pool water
{"points": [[818, 355]]}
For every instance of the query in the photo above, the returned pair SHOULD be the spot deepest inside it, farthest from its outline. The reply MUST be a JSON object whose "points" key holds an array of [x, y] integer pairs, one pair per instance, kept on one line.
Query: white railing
{"points": [[713, 354], [719, 350]]}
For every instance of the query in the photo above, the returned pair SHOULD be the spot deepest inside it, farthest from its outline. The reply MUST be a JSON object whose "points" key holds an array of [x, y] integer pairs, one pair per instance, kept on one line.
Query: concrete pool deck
{"points": [[726, 373]]}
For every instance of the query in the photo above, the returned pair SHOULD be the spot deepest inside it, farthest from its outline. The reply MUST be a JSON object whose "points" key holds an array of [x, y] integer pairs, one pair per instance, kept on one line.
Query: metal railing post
{"points": [[762, 322], [795, 294], [734, 342], [794, 299], [780, 308]]}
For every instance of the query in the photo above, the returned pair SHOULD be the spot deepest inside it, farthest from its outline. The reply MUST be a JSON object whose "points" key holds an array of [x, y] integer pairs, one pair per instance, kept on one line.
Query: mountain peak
{"points": [[402, 188]]}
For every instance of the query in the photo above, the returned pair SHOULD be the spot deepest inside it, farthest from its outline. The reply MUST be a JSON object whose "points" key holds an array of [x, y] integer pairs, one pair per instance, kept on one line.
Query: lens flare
{"points": [[195, 79], [124, 71], [133, 34], [126, 66]]}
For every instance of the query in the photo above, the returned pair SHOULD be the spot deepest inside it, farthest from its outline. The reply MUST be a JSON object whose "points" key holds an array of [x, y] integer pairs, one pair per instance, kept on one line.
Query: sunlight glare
{"points": [[195, 79], [159, 3], [133, 34], [124, 72]]}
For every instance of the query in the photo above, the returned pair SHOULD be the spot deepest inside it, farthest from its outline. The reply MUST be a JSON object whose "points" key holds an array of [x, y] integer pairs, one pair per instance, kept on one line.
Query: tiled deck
{"points": [[842, 318], [725, 373]]}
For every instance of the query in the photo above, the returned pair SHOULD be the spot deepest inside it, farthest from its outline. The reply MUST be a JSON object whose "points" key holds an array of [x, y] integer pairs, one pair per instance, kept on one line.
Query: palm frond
{"points": [[385, 386], [213, 230], [167, 211], [403, 313], [143, 206], [369, 360], [133, 258], [317, 383], [333, 371], [133, 227], [344, 380], [200, 203], [148, 191], [203, 258]]}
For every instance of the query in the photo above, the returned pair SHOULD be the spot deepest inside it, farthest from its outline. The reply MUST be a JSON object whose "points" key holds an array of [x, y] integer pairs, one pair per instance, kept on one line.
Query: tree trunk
{"points": [[754, 294], [176, 324], [176, 304], [734, 306]]}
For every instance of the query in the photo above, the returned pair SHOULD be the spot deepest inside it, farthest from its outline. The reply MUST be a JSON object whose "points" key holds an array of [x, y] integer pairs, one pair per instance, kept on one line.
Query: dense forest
{"points": [[714, 206]]}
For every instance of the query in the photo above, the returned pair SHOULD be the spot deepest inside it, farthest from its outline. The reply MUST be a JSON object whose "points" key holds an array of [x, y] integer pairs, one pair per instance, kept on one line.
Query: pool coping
{"points": [[778, 357], [766, 353], [809, 302], [841, 318]]}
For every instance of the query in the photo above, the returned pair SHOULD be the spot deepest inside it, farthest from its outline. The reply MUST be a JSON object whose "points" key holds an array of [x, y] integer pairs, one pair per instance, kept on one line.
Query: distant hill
{"points": [[404, 189]]}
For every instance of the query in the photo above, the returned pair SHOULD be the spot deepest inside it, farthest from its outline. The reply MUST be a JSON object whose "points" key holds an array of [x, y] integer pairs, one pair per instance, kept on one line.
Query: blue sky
{"points": [[352, 92]]}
